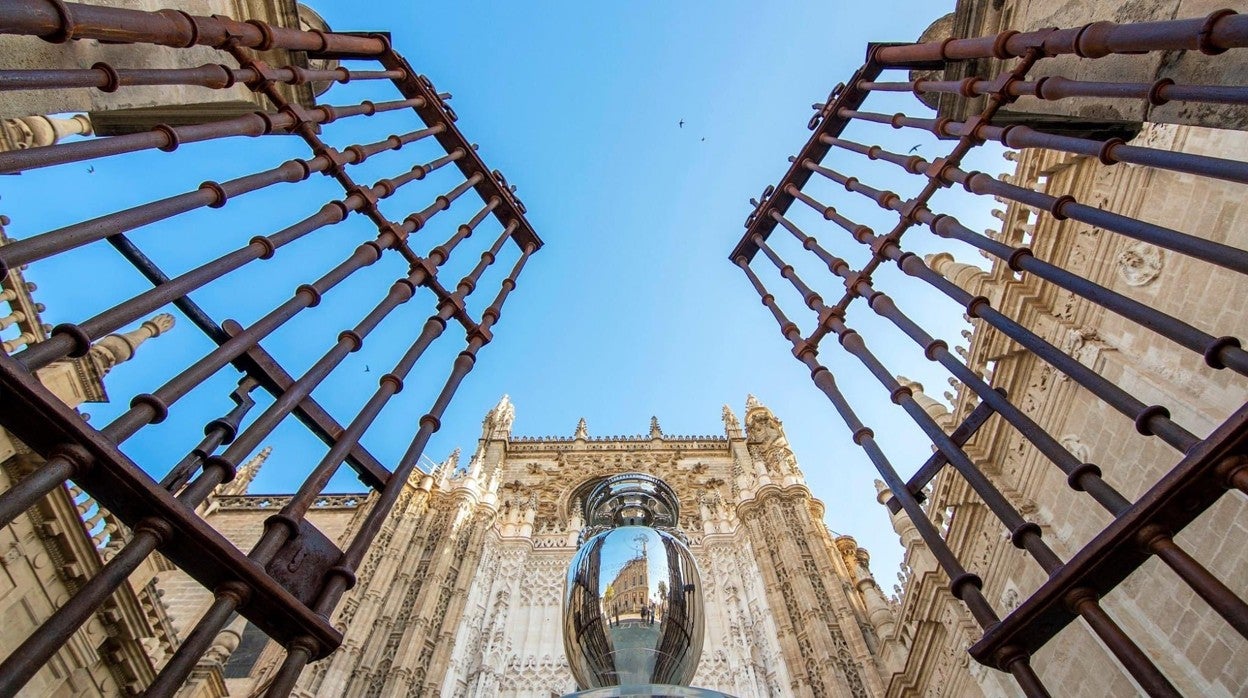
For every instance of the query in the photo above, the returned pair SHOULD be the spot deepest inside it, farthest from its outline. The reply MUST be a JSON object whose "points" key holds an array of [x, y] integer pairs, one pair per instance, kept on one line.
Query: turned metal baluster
{"points": [[24, 662], [168, 138], [1149, 419], [342, 577], [228, 598], [964, 585]]}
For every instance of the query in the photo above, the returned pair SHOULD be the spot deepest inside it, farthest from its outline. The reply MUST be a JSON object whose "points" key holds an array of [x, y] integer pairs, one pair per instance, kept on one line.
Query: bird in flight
{"points": [[91, 169], [703, 139], [915, 148], [366, 368], [681, 124]]}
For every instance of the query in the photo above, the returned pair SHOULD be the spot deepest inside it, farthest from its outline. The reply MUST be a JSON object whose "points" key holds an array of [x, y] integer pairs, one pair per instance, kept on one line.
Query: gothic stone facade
{"points": [[1199, 652], [461, 595]]}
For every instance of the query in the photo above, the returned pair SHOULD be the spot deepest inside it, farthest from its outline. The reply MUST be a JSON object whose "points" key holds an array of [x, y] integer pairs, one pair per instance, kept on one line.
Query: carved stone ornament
{"points": [[1140, 263]]}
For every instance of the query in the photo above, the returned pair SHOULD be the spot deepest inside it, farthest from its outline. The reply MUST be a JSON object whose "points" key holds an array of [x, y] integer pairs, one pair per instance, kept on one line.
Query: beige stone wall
{"points": [[1191, 644]]}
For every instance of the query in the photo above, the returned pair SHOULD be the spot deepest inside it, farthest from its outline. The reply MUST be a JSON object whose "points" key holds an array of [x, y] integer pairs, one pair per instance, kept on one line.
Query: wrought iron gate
{"points": [[1206, 468], [291, 607]]}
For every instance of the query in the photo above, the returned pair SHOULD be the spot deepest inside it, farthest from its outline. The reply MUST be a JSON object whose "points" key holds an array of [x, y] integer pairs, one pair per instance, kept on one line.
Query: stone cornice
{"points": [[528, 444], [277, 501]]}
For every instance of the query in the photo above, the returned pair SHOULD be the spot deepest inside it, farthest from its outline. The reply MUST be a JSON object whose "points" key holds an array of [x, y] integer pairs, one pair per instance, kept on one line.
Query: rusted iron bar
{"points": [[1115, 553], [1087, 477], [93, 458], [57, 21], [1220, 598], [1217, 32], [964, 585], [257, 364], [218, 432], [106, 78], [1056, 87], [30, 656], [351, 340], [827, 121], [1080, 476], [150, 408], [966, 142], [220, 468], [1219, 352], [960, 436], [168, 138], [208, 194], [44, 423], [1148, 419], [284, 525], [392, 382], [1024, 534], [432, 108], [65, 338], [1109, 152], [342, 577]]}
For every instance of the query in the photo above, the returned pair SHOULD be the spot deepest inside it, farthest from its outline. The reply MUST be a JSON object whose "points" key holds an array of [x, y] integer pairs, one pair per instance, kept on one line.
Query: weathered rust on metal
{"points": [[1217, 32], [290, 582], [59, 22], [1208, 467]]}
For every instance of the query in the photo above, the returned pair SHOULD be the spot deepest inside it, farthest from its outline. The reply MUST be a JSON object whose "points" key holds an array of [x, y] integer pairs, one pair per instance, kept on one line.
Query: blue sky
{"points": [[631, 310]]}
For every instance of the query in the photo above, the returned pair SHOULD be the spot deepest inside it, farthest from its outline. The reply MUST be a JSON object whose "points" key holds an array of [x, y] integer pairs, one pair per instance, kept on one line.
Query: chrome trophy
{"points": [[632, 606]]}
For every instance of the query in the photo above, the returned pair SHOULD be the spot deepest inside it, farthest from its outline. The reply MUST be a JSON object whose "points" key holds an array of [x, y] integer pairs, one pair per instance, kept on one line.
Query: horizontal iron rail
{"points": [[1193, 485], [1215, 33], [58, 22], [43, 422]]}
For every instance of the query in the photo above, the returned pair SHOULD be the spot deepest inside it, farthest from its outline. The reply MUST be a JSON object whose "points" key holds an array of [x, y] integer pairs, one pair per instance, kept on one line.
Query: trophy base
{"points": [[648, 690]]}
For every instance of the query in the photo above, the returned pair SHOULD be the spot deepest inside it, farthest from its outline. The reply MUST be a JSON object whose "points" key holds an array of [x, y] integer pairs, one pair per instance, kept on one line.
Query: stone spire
{"points": [[246, 473], [655, 431], [117, 348], [447, 467], [732, 428], [969, 277], [880, 613], [497, 423], [582, 431], [901, 520]]}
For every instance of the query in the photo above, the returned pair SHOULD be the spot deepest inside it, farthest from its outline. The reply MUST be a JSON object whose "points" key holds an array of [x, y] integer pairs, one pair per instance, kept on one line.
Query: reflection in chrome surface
{"points": [[633, 600]]}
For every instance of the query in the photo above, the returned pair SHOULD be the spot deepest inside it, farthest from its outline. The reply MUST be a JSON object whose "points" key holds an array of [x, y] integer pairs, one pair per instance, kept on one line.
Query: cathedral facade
{"points": [[1192, 645], [462, 594]]}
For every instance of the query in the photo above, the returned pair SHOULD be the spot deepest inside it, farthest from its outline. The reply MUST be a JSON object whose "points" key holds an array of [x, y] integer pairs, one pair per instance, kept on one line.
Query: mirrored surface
{"points": [[633, 609]]}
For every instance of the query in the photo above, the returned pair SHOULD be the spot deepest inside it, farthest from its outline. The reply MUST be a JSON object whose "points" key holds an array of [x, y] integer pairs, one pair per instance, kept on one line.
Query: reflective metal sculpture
{"points": [[632, 609]]}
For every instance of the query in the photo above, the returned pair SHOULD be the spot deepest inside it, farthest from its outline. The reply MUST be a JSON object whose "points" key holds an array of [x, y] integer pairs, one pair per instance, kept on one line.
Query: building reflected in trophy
{"points": [[633, 615]]}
